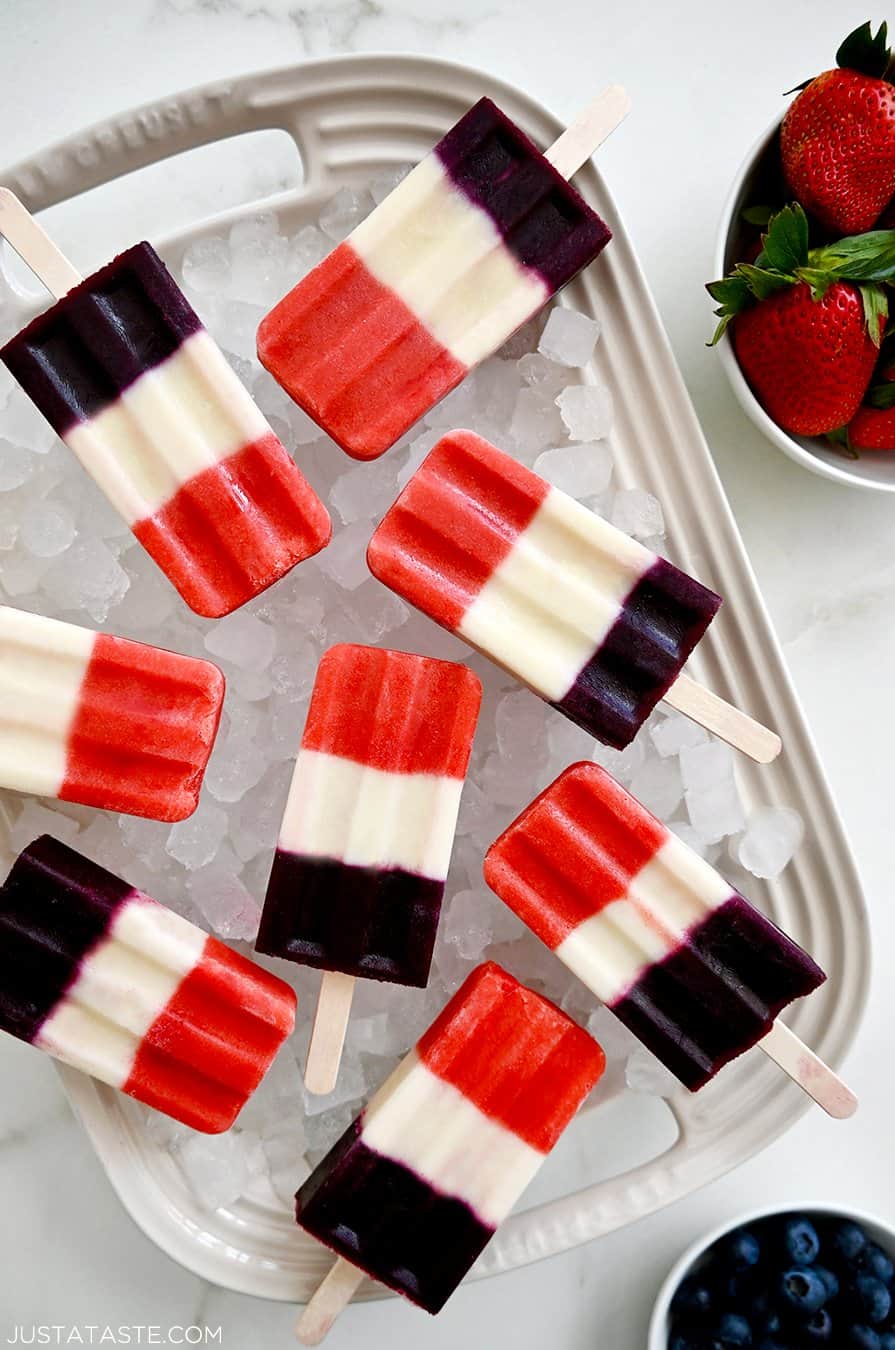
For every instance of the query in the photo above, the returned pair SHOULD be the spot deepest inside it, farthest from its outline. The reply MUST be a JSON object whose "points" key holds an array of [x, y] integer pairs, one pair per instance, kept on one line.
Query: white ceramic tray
{"points": [[350, 118]]}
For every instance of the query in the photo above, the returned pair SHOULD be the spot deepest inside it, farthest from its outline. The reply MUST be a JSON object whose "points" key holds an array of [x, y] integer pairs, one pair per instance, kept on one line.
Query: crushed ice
{"points": [[65, 553]]}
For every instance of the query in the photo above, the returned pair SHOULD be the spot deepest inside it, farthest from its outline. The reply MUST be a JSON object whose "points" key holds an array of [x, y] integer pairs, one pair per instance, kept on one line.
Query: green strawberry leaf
{"points": [[731, 293], [876, 311], [864, 52], [840, 441], [881, 396], [785, 245], [757, 215], [862, 257], [763, 282]]}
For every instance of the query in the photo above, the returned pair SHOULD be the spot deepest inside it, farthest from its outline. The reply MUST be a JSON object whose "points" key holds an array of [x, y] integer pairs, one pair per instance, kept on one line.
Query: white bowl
{"points": [[874, 471], [659, 1328]]}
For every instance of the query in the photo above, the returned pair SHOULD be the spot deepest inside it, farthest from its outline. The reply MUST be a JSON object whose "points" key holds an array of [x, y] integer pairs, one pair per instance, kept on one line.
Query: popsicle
{"points": [[365, 844], [87, 717], [103, 978], [588, 618], [124, 371], [472, 243], [676, 953], [415, 1188]]}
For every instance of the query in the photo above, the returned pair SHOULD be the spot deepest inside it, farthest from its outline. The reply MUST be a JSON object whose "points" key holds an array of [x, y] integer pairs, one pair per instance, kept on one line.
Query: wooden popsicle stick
{"points": [[723, 719], [812, 1075], [589, 130], [328, 1032], [35, 247], [330, 1299]]}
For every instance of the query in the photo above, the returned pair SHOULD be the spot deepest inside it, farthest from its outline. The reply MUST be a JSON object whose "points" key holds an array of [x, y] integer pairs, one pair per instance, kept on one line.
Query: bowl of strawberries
{"points": [[805, 296]]}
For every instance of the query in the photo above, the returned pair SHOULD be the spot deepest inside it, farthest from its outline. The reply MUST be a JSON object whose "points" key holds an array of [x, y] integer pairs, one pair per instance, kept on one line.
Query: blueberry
{"points": [[874, 1298], [818, 1329], [849, 1241], [681, 1342], [887, 1340], [830, 1280], [732, 1332], [803, 1290], [862, 1338], [740, 1251], [693, 1298], [768, 1343], [800, 1242], [875, 1262]]}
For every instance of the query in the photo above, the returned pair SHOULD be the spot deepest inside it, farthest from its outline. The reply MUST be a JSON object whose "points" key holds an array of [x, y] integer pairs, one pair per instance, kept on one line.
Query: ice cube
{"points": [[773, 833], [587, 411], [243, 640], [16, 466], [206, 266], [346, 558], [309, 247], [235, 767], [467, 924], [47, 529], [688, 835], [615, 1038], [344, 211], [225, 903], [35, 819], [657, 784], [419, 449], [257, 271], [671, 735], [216, 1168], [194, 842], [365, 492], [715, 811], [581, 470], [25, 426], [569, 337], [638, 513], [387, 180], [536, 423], [539, 373], [88, 577], [705, 765], [284, 1150]]}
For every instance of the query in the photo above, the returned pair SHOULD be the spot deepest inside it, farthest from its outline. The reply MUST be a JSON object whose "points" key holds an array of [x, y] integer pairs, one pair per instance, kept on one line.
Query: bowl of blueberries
{"points": [[782, 1280]]}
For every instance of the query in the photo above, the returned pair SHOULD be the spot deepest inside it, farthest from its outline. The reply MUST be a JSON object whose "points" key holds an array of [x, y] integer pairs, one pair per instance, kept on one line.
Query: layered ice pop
{"points": [[87, 717], [124, 371], [365, 844], [588, 618], [470, 245], [678, 955], [105, 979], [415, 1188]]}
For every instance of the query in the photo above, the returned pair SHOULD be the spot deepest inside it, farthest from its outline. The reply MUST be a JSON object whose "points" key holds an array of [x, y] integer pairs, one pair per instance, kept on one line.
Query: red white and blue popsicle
{"points": [[414, 1190], [470, 245], [105, 979], [588, 618], [124, 371], [687, 963], [87, 717], [365, 844]]}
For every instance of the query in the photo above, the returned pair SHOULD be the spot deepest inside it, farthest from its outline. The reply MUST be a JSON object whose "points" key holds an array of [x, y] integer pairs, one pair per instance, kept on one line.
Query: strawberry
{"points": [[837, 140], [807, 323], [873, 425]]}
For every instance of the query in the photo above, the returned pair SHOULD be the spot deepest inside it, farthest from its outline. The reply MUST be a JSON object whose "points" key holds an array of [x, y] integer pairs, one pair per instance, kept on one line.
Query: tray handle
{"points": [[155, 131]]}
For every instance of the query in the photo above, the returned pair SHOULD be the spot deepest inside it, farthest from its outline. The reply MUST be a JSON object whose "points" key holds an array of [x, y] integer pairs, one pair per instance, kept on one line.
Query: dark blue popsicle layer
{"points": [[664, 617], [54, 908], [384, 1218], [76, 358], [544, 222], [379, 923], [718, 993]]}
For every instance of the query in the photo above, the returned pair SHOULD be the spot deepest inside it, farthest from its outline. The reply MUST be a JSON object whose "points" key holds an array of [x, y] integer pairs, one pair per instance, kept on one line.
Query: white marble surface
{"points": [[705, 77]]}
